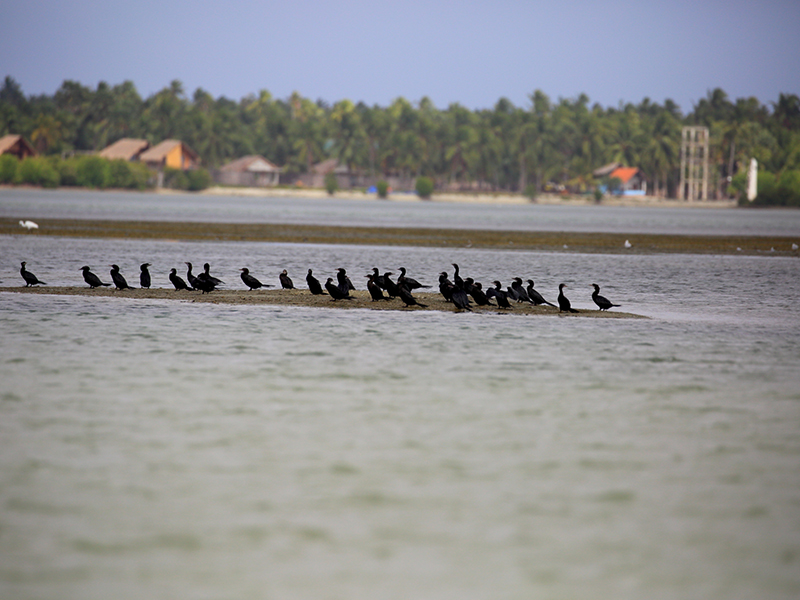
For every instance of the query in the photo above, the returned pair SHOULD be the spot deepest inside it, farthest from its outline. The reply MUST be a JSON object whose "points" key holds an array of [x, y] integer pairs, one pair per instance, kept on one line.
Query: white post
{"points": [[752, 180]]}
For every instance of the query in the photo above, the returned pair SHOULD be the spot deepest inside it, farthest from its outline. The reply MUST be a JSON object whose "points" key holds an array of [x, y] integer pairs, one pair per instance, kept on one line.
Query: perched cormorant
{"points": [[563, 302], [207, 278], [335, 292], [314, 286], [456, 277], [601, 301], [475, 290], [374, 289], [498, 293], [144, 276], [407, 298], [191, 278], [345, 285], [446, 287], [379, 278], [522, 295], [286, 281], [251, 281], [460, 298], [30, 278], [536, 297], [118, 279], [92, 279], [176, 280], [408, 282]]}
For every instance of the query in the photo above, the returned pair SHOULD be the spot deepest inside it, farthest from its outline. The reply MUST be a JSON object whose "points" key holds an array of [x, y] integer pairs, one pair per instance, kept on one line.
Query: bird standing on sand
{"points": [[498, 294], [460, 298], [176, 280], [30, 278], [314, 286], [286, 281], [191, 278], [563, 302], [118, 279], [251, 281], [408, 282], [144, 276], [92, 279], [335, 291], [345, 285], [207, 278], [29, 225], [407, 298], [390, 286], [446, 287], [522, 295], [536, 297], [374, 289], [601, 301]]}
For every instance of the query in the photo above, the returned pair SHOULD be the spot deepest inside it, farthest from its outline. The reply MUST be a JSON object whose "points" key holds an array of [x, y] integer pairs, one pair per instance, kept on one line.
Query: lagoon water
{"points": [[171, 450]]}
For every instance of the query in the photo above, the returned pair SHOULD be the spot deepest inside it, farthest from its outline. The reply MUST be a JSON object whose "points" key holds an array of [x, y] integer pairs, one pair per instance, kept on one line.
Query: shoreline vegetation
{"points": [[299, 297], [540, 241]]}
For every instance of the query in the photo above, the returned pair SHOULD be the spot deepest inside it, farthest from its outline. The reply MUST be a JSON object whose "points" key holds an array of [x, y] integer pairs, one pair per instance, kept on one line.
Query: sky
{"points": [[470, 52]]}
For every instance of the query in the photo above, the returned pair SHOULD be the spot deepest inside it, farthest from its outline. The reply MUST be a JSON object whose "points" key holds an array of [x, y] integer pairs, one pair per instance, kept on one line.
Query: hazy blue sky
{"points": [[471, 52]]}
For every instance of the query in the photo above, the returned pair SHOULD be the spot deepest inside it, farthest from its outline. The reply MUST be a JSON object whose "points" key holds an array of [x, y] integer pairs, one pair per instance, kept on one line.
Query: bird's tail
{"points": [[550, 304], [105, 284], [572, 310]]}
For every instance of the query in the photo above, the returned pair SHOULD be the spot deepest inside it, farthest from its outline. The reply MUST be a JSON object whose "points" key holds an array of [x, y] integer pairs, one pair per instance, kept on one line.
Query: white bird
{"points": [[627, 244], [28, 225], [794, 246]]}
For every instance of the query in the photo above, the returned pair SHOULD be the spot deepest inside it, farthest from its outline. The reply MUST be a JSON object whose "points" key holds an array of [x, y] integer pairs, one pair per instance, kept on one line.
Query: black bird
{"points": [[601, 301], [379, 278], [408, 282], [476, 291], [286, 281], [563, 302], [191, 278], [314, 286], [30, 278], [407, 298], [498, 293], [144, 276], [335, 292], [206, 277], [118, 279], [176, 280], [460, 298], [251, 281], [446, 287], [374, 289], [522, 295], [92, 279], [456, 277], [345, 285], [390, 286], [536, 297]]}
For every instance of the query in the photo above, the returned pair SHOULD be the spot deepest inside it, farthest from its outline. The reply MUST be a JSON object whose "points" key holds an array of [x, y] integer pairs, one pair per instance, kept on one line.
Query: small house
{"points": [[125, 149], [632, 182], [16, 145], [172, 154], [251, 171]]}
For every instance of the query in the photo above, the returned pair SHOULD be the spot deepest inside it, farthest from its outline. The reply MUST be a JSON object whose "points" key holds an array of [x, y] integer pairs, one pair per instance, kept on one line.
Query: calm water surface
{"points": [[169, 450]]}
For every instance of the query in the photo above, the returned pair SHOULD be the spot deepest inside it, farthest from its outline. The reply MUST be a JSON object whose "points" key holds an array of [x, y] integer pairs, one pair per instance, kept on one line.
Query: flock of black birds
{"points": [[380, 287]]}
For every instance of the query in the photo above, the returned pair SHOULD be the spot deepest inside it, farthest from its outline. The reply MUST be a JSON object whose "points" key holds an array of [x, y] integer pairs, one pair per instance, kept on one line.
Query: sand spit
{"points": [[546, 241], [361, 299]]}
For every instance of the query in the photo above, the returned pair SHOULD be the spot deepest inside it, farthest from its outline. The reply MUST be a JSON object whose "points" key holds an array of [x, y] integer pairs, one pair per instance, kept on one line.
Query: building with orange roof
{"points": [[632, 182]]}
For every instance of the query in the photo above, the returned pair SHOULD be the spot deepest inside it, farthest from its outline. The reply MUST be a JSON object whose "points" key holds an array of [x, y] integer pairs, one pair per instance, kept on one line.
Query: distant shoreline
{"points": [[544, 241]]}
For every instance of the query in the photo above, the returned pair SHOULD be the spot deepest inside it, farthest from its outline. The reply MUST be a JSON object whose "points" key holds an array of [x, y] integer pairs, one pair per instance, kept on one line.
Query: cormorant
{"points": [[191, 278], [118, 279], [30, 278], [601, 301], [536, 297], [446, 287], [563, 302], [205, 276], [522, 295], [407, 298], [144, 276], [408, 282], [286, 281], [314, 286], [379, 278], [92, 279], [498, 293], [176, 280], [251, 281], [345, 285], [335, 292], [475, 290], [374, 289], [460, 298], [456, 277], [390, 286]]}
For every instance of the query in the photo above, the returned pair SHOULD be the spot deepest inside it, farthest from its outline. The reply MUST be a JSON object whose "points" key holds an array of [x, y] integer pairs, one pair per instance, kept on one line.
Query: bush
{"points": [[531, 192], [331, 183], [38, 171], [93, 172], [383, 189], [8, 168], [424, 187], [68, 169], [198, 179], [598, 195], [175, 179]]}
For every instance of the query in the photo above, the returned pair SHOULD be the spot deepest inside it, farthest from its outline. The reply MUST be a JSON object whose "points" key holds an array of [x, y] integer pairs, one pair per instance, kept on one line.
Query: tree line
{"points": [[530, 149]]}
